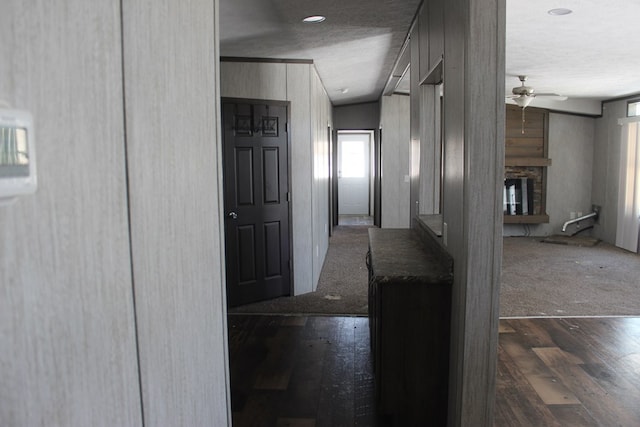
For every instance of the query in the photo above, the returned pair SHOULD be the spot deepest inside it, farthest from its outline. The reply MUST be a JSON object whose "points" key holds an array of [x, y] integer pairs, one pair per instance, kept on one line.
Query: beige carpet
{"points": [[538, 279], [343, 284], [543, 279]]}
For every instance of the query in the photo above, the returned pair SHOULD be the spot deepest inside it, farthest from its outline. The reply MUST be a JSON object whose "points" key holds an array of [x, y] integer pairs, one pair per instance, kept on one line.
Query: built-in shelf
{"points": [[433, 224], [526, 219], [527, 157], [527, 161], [434, 76]]}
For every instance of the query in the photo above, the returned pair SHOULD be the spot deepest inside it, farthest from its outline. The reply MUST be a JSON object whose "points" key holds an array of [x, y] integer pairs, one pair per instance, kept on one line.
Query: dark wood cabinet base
{"points": [[409, 312]]}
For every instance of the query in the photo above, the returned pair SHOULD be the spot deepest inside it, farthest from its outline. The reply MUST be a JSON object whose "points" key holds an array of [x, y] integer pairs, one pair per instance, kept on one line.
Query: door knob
{"points": [[233, 215]]}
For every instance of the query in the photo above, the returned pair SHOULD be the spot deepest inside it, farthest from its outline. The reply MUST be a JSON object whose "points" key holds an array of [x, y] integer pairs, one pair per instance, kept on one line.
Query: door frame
{"points": [[374, 173], [287, 105]]}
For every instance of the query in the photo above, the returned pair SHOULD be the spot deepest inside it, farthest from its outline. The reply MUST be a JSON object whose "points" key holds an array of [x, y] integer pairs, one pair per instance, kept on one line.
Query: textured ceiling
{"points": [[354, 49], [589, 55]]}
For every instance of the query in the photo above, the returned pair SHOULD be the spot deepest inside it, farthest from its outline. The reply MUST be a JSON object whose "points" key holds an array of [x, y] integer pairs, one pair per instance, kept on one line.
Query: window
{"points": [[633, 108], [628, 226]]}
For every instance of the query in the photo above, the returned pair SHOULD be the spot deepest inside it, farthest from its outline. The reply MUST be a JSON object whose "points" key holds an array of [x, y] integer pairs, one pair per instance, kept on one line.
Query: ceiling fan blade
{"points": [[555, 96]]}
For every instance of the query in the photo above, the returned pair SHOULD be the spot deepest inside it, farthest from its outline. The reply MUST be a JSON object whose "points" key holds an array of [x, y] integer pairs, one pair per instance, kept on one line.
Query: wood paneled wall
{"points": [[525, 139], [71, 263], [470, 36], [474, 167]]}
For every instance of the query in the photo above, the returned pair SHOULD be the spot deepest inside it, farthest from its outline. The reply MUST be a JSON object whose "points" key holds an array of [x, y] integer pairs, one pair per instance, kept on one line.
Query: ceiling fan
{"points": [[523, 95]]}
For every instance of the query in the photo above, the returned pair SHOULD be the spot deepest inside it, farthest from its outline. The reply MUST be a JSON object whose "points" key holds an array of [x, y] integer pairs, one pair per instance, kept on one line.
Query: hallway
{"points": [[355, 220]]}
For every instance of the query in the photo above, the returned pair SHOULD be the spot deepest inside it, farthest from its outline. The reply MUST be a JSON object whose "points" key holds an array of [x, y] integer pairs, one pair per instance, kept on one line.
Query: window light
{"points": [[633, 108]]}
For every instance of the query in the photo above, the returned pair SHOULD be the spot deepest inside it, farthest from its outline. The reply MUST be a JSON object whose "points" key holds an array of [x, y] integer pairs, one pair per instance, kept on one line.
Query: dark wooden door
{"points": [[256, 185]]}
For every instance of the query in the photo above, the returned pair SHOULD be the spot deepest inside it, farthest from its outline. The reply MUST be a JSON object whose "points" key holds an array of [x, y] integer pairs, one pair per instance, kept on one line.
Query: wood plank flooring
{"points": [[300, 371], [316, 371], [569, 372]]}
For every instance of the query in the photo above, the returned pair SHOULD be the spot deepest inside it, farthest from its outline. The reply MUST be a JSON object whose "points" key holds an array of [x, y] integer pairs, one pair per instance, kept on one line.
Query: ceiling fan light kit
{"points": [[523, 100]]}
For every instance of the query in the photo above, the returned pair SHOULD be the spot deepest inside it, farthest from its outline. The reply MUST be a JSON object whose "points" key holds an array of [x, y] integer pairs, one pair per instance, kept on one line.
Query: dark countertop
{"points": [[433, 222], [399, 255]]}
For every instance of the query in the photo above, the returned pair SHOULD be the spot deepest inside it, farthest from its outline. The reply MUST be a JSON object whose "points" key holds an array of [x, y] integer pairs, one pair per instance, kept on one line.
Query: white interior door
{"points": [[353, 173]]}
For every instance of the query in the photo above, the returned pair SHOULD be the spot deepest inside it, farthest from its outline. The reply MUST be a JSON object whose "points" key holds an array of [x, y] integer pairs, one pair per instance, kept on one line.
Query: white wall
{"points": [[310, 113], [395, 144], [569, 178], [70, 261]]}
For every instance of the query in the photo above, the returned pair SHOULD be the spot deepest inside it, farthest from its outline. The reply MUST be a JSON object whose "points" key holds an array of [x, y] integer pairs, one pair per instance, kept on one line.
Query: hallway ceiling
{"points": [[354, 49], [590, 54]]}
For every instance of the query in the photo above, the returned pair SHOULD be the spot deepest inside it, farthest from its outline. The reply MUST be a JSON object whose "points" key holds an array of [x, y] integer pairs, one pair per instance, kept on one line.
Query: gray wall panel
{"points": [[429, 150], [66, 315], [172, 113], [396, 140], [571, 147], [417, 123], [321, 120], [606, 168], [298, 92], [473, 137], [254, 80], [365, 116]]}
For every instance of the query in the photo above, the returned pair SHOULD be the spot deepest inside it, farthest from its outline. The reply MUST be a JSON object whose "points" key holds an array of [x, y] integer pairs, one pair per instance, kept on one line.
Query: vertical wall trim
{"points": [[313, 116], [217, 111], [128, 204], [286, 91]]}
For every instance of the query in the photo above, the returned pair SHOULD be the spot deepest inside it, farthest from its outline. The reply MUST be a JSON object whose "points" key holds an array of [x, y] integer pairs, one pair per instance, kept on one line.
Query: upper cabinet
{"points": [[431, 33]]}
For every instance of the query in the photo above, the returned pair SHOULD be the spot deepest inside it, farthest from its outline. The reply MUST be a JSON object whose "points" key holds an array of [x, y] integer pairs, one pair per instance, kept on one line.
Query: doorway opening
{"points": [[355, 167]]}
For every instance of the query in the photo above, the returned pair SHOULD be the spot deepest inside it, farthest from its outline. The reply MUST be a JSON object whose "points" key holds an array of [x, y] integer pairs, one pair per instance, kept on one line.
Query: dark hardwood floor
{"points": [[569, 372], [316, 371], [300, 371]]}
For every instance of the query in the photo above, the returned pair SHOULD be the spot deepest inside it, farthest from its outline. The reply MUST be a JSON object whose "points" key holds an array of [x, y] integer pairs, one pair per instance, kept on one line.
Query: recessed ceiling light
{"points": [[559, 11], [343, 90], [314, 19]]}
